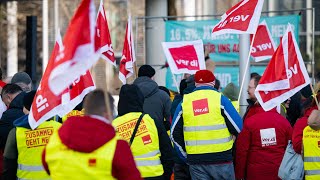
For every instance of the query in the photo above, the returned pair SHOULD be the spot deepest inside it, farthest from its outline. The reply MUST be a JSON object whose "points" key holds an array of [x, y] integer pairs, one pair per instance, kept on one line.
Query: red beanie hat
{"points": [[204, 76]]}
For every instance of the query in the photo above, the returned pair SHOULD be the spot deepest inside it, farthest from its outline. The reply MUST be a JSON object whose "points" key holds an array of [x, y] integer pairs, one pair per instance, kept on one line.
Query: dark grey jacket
{"points": [[157, 103]]}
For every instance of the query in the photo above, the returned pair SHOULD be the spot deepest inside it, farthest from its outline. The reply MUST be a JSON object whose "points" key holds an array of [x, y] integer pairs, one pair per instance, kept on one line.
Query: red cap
{"points": [[204, 76]]}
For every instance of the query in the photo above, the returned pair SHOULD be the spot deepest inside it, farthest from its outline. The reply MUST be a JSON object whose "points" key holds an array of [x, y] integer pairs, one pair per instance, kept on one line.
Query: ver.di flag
{"points": [[243, 18], [263, 46], [46, 104], [285, 74], [102, 36], [128, 55], [184, 56], [79, 52]]}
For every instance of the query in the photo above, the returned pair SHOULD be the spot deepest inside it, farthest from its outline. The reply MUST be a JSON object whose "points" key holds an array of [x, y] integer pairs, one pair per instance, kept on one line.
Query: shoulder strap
{"points": [[136, 128]]}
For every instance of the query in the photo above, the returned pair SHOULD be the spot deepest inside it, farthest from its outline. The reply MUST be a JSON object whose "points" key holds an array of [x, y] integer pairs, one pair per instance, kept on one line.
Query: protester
{"points": [[301, 123], [231, 91], [12, 96], [204, 133], [157, 103], [252, 101], [23, 80], [310, 141], [22, 154], [166, 90], [151, 146], [261, 144], [181, 169], [88, 147]]}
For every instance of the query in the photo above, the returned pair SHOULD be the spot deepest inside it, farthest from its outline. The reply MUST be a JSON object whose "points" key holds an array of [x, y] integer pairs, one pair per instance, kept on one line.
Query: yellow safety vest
{"points": [[30, 144], [204, 128], [65, 163], [73, 113], [145, 146], [311, 149]]}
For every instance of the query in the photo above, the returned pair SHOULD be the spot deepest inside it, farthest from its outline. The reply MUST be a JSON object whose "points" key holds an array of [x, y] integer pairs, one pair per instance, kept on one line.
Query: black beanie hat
{"points": [[146, 70], [28, 99], [131, 99]]}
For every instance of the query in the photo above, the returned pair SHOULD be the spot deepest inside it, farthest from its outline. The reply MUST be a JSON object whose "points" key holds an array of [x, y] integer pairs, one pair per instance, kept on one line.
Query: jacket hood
{"points": [[130, 99], [22, 122], [17, 102], [85, 134], [147, 86]]}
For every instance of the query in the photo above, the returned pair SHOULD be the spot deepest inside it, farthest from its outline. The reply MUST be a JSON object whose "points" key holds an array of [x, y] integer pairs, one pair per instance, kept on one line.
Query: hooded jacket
{"points": [[132, 100], [157, 103], [88, 133], [261, 145], [298, 128], [14, 112]]}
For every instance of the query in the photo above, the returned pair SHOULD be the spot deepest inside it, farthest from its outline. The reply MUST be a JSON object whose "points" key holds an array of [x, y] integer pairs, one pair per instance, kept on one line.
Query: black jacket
{"points": [[14, 112], [157, 103]]}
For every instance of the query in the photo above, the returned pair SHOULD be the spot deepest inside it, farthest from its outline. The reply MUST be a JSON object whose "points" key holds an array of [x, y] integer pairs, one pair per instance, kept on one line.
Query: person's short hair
{"points": [[10, 89], [28, 99], [256, 79], [146, 70], [95, 104], [254, 74]]}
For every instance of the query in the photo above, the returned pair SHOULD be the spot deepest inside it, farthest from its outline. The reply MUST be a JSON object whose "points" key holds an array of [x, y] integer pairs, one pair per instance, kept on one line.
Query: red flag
{"points": [[263, 46], [285, 74], [79, 52], [46, 104], [184, 56], [128, 55], [102, 36], [243, 18]]}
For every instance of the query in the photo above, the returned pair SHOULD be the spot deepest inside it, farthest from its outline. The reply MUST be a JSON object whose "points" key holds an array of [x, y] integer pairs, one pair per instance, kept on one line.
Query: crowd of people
{"points": [[198, 134]]}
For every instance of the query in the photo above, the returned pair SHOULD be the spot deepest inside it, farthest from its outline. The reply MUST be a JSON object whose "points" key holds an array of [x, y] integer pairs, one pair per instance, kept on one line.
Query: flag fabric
{"points": [[263, 46], [128, 55], [285, 74], [102, 36], [243, 18], [79, 52], [46, 104], [184, 56]]}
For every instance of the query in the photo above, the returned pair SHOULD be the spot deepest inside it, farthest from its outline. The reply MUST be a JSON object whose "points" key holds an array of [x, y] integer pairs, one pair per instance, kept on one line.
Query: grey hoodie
{"points": [[157, 103]]}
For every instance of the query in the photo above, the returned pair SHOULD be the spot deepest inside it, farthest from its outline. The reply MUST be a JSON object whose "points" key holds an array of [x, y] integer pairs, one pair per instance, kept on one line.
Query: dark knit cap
{"points": [[21, 77], [231, 91], [146, 70], [28, 99]]}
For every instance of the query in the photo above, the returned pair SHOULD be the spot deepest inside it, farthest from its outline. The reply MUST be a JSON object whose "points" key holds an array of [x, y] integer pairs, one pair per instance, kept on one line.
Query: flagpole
{"points": [[247, 65], [314, 96]]}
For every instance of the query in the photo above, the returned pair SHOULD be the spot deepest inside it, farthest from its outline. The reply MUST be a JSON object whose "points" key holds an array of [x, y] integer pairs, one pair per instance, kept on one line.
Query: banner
{"points": [[184, 56], [225, 48]]}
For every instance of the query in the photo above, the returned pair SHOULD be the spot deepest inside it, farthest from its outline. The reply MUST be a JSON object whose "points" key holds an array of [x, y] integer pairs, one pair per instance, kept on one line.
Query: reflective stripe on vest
{"points": [[208, 142], [145, 146], [311, 153], [30, 144], [65, 163], [204, 128], [30, 168]]}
